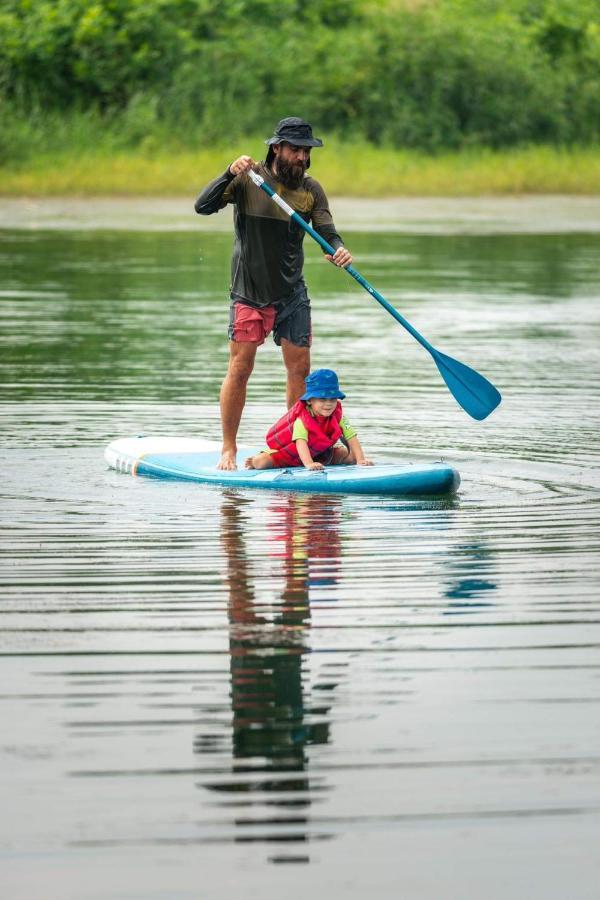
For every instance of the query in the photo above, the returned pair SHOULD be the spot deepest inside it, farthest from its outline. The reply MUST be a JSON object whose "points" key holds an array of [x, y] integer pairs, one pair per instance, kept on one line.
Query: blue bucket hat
{"points": [[322, 383]]}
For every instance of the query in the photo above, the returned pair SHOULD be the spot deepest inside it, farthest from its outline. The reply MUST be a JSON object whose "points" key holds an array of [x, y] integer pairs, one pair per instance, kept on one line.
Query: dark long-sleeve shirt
{"points": [[267, 260]]}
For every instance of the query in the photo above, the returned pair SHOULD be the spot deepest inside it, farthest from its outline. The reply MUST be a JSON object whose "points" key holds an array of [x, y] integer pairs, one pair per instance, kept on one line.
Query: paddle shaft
{"points": [[261, 183], [477, 396]]}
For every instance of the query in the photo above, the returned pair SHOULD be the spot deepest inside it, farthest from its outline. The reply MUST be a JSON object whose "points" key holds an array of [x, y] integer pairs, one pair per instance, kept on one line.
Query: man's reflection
{"points": [[274, 718], [471, 586]]}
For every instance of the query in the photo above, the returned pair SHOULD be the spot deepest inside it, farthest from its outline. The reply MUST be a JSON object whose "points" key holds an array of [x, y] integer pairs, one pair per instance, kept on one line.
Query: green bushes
{"points": [[431, 75]]}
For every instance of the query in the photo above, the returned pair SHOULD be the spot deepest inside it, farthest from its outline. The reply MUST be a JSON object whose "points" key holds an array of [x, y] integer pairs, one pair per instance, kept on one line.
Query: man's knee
{"points": [[298, 366], [298, 371], [238, 373], [241, 366]]}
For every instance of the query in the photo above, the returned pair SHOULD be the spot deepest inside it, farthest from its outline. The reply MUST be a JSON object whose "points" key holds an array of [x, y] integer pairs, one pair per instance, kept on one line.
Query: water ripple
{"points": [[187, 666]]}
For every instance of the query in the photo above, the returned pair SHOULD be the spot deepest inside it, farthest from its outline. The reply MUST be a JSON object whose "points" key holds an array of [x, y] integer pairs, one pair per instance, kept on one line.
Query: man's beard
{"points": [[291, 175]]}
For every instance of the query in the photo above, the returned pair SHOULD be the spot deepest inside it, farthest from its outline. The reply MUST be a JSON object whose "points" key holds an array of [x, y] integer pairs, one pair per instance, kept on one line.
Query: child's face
{"points": [[323, 406]]}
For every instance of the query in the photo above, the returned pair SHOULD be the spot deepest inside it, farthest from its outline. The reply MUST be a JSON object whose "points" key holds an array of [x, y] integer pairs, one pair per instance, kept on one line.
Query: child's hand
{"points": [[316, 466], [364, 462]]}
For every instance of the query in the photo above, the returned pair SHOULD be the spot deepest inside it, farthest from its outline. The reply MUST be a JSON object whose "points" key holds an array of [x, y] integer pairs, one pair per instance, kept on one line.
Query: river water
{"points": [[211, 693]]}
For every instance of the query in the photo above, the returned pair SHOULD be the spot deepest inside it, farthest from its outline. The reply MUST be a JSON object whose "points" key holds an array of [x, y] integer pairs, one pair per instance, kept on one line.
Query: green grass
{"points": [[346, 169]]}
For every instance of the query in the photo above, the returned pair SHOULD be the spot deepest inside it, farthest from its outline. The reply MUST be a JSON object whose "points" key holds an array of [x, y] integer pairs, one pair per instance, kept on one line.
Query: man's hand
{"points": [[341, 258], [241, 165]]}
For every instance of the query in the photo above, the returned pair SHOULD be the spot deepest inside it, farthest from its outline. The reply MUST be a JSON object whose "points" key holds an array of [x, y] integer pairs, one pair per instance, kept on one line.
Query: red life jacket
{"points": [[323, 432]]}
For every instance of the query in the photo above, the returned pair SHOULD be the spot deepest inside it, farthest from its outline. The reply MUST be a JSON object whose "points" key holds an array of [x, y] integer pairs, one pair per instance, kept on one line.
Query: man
{"points": [[268, 292]]}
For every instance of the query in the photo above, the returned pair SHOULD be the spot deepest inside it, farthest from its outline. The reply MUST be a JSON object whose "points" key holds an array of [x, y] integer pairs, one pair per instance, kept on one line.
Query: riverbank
{"points": [[356, 169], [527, 214]]}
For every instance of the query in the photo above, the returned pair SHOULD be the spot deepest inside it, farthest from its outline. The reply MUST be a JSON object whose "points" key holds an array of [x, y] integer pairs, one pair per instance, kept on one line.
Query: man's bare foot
{"points": [[227, 463]]}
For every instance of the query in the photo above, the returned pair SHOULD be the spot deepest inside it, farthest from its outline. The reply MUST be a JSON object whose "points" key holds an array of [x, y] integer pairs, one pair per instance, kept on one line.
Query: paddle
{"points": [[477, 396]]}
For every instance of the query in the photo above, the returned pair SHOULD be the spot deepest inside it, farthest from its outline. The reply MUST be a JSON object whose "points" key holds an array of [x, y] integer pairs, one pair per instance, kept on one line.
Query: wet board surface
{"points": [[195, 459]]}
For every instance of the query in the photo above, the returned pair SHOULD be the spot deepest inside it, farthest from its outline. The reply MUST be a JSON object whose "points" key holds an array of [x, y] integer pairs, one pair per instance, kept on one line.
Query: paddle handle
{"points": [[260, 182]]}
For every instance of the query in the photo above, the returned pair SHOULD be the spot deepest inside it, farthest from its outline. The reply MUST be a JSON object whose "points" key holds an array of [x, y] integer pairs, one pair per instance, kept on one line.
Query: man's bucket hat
{"points": [[322, 383], [294, 131]]}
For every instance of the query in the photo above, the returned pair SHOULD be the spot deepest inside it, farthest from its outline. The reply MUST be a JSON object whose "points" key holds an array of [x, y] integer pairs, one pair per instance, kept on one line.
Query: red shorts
{"points": [[290, 320], [250, 324]]}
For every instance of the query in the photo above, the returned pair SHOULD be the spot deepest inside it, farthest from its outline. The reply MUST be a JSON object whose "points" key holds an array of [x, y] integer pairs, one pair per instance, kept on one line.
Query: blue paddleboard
{"points": [[194, 459]]}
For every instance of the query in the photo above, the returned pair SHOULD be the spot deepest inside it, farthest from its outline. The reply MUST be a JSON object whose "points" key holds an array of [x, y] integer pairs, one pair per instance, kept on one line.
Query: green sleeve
{"points": [[299, 431], [347, 430]]}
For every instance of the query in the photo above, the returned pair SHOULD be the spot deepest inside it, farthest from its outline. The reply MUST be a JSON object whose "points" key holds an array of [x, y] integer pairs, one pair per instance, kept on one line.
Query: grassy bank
{"points": [[346, 169]]}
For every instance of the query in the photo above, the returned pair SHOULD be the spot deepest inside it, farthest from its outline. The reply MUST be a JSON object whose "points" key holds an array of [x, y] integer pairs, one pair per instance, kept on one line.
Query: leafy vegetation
{"points": [[347, 168], [171, 76]]}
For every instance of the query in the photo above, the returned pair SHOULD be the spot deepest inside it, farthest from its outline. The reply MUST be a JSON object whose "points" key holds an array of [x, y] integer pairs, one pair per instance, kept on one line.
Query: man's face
{"points": [[291, 163], [292, 154]]}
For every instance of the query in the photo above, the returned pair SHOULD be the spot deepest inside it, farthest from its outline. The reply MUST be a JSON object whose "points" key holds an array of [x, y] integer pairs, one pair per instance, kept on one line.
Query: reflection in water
{"points": [[464, 732], [472, 585], [274, 718]]}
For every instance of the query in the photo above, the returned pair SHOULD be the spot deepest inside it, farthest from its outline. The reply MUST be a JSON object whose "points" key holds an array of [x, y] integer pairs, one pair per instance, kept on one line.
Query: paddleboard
{"points": [[195, 459]]}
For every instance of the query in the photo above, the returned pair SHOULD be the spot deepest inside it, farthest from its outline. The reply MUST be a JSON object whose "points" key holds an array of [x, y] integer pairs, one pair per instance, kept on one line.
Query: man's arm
{"points": [[219, 192], [213, 197], [323, 224]]}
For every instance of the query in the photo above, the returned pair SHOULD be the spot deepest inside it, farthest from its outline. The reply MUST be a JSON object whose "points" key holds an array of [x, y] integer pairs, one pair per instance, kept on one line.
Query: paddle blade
{"points": [[477, 396]]}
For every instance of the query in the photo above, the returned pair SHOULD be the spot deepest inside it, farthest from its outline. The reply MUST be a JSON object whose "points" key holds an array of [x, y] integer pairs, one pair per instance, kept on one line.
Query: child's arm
{"points": [[357, 452], [305, 457]]}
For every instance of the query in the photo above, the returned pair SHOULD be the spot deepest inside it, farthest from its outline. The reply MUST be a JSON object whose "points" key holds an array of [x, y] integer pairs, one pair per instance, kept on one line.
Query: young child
{"points": [[308, 433]]}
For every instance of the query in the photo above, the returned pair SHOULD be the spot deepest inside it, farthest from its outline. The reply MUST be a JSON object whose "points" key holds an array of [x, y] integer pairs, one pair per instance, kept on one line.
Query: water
{"points": [[212, 693]]}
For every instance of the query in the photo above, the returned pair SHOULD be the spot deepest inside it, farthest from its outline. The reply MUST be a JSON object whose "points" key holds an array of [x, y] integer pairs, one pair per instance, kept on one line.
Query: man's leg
{"points": [[297, 364], [233, 397]]}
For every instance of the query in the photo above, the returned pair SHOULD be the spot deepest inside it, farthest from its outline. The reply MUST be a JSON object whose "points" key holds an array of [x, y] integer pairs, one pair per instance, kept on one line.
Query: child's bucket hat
{"points": [[322, 383]]}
